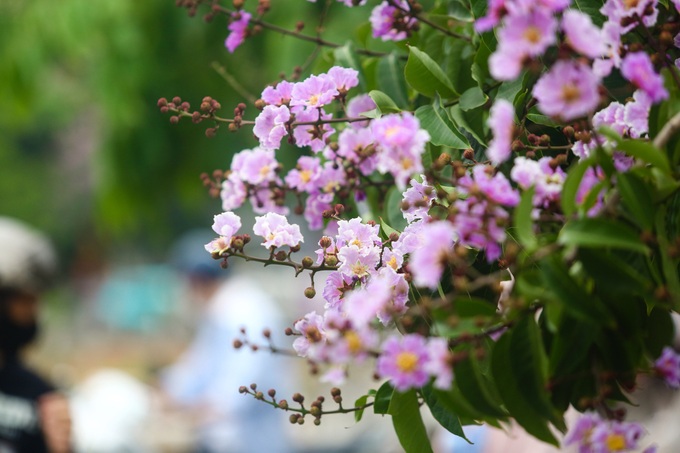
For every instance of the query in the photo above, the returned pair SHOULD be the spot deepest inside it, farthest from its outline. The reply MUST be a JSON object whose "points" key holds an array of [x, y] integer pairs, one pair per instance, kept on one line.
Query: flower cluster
{"points": [[592, 434]]}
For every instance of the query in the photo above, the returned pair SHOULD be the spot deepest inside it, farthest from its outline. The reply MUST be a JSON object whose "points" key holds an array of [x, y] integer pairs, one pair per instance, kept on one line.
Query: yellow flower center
{"points": [[393, 262], [314, 100], [391, 131], [264, 170], [570, 93], [305, 175], [407, 361], [628, 4], [616, 442], [359, 269], [353, 342], [406, 163], [532, 34]]}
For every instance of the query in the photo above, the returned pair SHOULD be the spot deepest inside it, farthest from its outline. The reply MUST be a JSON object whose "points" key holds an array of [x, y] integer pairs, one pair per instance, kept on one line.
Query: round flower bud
{"points": [[283, 404], [307, 262], [298, 398], [331, 260], [310, 292]]}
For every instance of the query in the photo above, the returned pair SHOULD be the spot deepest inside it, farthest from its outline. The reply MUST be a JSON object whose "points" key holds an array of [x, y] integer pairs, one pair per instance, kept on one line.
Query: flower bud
{"points": [[331, 261], [174, 119], [293, 418], [253, 386], [307, 262], [280, 256], [242, 389], [238, 344], [325, 242], [469, 154], [317, 421], [271, 393], [310, 292], [298, 398], [283, 404], [210, 132], [335, 392]]}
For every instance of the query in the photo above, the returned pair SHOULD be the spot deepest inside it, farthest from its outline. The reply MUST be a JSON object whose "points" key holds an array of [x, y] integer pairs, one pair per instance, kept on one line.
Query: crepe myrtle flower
{"points": [[276, 231], [403, 360], [356, 106], [304, 176], [417, 200], [637, 67], [226, 225], [279, 94], [592, 434], [392, 23], [255, 166], [668, 367], [315, 91], [582, 35], [270, 126], [313, 335], [237, 28], [502, 124], [439, 363], [233, 192], [568, 91], [428, 262]]}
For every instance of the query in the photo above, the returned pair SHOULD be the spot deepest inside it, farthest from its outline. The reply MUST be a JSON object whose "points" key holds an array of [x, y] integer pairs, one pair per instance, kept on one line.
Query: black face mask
{"points": [[14, 337]]}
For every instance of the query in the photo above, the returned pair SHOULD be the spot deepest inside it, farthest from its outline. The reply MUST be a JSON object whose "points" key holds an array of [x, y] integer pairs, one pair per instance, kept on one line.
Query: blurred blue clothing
{"points": [[209, 373]]}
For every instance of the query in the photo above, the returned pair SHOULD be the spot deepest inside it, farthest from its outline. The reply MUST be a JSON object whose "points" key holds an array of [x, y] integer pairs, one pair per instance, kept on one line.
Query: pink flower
{"points": [[313, 92], [361, 235], [238, 28], [313, 335], [276, 231], [615, 436], [528, 34], [358, 105], [233, 192], [439, 362], [502, 124], [403, 361], [279, 94], [582, 35], [256, 166], [668, 367], [638, 68], [494, 13], [226, 224], [428, 262], [355, 145], [568, 91], [343, 78], [356, 262], [335, 287], [390, 23], [312, 135], [270, 126], [305, 175], [400, 142], [419, 198]]}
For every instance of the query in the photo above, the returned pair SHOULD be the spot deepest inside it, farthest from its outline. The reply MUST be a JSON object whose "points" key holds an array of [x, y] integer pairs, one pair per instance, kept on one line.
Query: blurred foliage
{"points": [[81, 74]]}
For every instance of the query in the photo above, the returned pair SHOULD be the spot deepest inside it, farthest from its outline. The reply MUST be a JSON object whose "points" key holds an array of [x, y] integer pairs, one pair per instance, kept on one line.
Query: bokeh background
{"points": [[86, 157]]}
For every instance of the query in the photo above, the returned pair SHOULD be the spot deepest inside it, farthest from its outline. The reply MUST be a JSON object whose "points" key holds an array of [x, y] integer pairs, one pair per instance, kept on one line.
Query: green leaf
{"points": [[441, 129], [408, 424], [393, 213], [384, 103], [472, 98], [459, 10], [346, 56], [383, 398], [523, 221], [480, 66], [571, 185], [542, 120], [361, 401], [600, 233], [472, 121], [425, 76], [637, 198], [475, 388], [473, 307], [572, 296], [639, 149], [448, 419], [391, 79], [510, 89], [509, 387], [612, 274]]}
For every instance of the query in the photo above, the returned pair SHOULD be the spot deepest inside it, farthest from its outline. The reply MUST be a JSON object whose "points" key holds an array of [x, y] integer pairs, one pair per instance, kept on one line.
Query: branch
{"points": [[669, 129]]}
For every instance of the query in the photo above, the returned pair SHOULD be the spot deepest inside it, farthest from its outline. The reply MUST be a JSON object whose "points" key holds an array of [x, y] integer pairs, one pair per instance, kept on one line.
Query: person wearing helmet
{"points": [[34, 418]]}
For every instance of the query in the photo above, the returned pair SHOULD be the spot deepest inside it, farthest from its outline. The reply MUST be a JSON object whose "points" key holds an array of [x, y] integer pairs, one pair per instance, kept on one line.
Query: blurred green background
{"points": [[85, 155]]}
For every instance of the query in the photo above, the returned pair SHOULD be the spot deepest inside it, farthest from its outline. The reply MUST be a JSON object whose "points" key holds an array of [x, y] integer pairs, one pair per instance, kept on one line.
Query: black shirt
{"points": [[20, 390]]}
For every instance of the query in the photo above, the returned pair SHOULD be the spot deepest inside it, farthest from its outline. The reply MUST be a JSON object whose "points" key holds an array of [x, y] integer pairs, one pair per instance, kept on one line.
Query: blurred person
{"points": [[34, 417], [206, 378]]}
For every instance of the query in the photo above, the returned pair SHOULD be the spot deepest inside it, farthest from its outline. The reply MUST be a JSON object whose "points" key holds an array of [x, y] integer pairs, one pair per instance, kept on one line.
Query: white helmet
{"points": [[27, 259]]}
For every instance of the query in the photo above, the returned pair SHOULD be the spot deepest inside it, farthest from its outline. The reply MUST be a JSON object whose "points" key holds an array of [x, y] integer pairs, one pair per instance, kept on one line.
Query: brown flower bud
{"points": [[307, 262], [283, 404], [469, 154], [310, 292], [298, 398]]}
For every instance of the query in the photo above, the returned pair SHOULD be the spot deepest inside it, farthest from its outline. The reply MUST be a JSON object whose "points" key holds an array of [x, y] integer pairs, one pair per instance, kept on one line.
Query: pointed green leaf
{"points": [[601, 233], [391, 79], [637, 198], [571, 185], [383, 399], [523, 221], [384, 103], [441, 129], [425, 76], [447, 418], [408, 424], [472, 98]]}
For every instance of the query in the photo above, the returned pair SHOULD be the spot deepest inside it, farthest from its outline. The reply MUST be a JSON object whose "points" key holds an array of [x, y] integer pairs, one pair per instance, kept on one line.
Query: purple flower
{"points": [[615, 437], [591, 178], [400, 142], [305, 175], [390, 23], [636, 114], [238, 28], [331, 178], [276, 231], [226, 224], [419, 198], [358, 105], [528, 34], [279, 94], [270, 126], [668, 367], [313, 335], [362, 305], [335, 287], [582, 35], [582, 430], [356, 146], [439, 362], [618, 10], [494, 13], [403, 361], [361, 235], [502, 124], [568, 91], [357, 262], [312, 135], [428, 262], [638, 68], [256, 166], [233, 192], [506, 63], [313, 92], [315, 205], [547, 180], [343, 78]]}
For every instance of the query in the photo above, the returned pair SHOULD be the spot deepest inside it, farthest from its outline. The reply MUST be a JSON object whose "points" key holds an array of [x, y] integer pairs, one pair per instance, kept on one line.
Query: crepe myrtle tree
{"points": [[499, 199]]}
